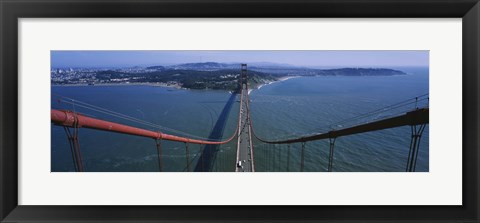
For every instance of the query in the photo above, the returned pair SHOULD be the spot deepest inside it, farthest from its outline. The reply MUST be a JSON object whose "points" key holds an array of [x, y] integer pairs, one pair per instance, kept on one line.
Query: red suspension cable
{"points": [[69, 119]]}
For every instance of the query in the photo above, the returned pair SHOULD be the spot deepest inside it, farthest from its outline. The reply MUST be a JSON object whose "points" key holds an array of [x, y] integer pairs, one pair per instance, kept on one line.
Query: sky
{"points": [[313, 58]]}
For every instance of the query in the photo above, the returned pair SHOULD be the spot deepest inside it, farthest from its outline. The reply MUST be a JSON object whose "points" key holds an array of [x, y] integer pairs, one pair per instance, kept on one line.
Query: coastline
{"points": [[272, 82], [176, 86], [173, 86], [288, 78]]}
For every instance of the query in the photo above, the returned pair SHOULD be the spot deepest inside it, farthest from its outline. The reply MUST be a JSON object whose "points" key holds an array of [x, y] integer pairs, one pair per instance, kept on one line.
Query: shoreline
{"points": [[176, 86], [272, 82]]}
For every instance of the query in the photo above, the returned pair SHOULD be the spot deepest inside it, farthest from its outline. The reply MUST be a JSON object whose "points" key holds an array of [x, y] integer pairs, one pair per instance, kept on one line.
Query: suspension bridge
{"points": [[416, 118]]}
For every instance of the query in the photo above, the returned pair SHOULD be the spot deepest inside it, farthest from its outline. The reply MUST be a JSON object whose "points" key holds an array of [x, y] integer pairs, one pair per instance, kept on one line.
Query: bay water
{"points": [[280, 110]]}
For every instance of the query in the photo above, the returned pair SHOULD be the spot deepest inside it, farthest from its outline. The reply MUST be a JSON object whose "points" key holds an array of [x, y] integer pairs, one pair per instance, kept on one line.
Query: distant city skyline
{"points": [[314, 58]]}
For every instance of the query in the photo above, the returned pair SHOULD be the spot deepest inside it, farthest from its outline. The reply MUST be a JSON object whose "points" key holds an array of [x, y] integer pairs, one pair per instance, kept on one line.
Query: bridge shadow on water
{"points": [[207, 158]]}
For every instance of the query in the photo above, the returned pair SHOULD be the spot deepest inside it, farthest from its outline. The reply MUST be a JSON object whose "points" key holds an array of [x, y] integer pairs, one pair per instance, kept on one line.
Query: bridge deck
{"points": [[244, 161]]}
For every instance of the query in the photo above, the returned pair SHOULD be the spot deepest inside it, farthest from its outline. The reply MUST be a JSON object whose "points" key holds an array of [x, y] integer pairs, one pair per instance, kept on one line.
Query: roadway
{"points": [[244, 145]]}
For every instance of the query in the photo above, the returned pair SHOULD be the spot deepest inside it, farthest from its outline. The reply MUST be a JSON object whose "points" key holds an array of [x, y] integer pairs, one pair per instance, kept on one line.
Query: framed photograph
{"points": [[239, 111]]}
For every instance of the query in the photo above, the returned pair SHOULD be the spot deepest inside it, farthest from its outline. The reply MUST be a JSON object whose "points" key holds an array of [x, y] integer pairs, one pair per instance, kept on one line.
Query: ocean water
{"points": [[286, 109], [189, 112]]}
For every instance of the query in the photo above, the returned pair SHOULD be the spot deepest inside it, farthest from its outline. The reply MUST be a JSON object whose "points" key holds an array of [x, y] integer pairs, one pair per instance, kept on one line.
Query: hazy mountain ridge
{"points": [[285, 69]]}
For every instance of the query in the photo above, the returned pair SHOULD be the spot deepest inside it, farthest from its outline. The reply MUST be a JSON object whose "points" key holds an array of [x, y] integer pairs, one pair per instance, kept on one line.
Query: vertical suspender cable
{"points": [[288, 158], [330, 157], [70, 142], [274, 157], [419, 135], [187, 153], [411, 147], [302, 157], [158, 143], [77, 147]]}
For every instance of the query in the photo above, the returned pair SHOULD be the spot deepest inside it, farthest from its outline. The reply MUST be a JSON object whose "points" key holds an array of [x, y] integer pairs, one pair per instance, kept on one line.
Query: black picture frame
{"points": [[11, 11]]}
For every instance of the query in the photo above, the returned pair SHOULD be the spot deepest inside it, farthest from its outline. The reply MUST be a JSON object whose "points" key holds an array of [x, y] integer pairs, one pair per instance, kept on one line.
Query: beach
{"points": [[271, 82]]}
